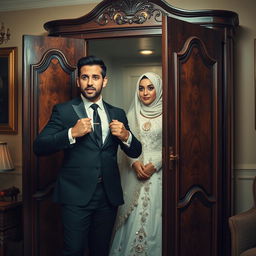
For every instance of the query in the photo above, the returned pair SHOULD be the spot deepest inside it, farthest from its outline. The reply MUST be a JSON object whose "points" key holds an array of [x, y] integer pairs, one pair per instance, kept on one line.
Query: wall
{"points": [[244, 102]]}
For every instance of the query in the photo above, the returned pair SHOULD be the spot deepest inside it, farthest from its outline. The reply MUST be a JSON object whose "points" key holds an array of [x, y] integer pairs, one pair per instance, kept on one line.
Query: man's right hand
{"points": [[82, 127]]}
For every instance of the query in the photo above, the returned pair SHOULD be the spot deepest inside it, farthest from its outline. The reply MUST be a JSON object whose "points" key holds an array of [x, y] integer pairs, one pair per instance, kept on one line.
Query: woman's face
{"points": [[147, 91]]}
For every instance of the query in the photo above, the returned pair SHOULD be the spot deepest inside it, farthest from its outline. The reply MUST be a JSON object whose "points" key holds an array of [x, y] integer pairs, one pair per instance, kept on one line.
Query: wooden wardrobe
{"points": [[197, 71]]}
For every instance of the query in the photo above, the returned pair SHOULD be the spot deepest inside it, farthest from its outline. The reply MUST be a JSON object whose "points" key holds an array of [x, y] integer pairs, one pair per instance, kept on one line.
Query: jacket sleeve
{"points": [[54, 136], [135, 148]]}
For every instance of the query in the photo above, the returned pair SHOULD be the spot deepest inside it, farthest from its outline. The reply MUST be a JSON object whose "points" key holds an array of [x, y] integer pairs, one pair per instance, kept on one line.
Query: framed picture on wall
{"points": [[255, 82], [8, 90]]}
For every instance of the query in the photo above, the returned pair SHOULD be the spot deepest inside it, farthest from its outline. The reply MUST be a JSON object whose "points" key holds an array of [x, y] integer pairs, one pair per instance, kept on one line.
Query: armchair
{"points": [[243, 230]]}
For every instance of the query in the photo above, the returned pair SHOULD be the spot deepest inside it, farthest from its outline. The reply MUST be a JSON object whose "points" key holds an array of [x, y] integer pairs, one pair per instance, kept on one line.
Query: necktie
{"points": [[97, 124]]}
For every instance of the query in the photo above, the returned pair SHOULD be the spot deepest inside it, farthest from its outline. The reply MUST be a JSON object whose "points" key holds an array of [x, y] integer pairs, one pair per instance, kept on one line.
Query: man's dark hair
{"points": [[91, 60]]}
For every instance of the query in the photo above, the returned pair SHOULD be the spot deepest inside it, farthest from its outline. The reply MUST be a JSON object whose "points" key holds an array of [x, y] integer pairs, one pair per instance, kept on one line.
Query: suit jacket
{"points": [[85, 160]]}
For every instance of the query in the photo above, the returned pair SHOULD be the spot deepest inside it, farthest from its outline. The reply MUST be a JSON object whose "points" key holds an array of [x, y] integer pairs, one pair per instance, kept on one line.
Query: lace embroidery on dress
{"points": [[122, 218], [151, 142], [139, 245]]}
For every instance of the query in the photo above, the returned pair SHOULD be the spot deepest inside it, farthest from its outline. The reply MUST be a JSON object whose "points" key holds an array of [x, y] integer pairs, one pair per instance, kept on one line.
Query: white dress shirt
{"points": [[103, 118]]}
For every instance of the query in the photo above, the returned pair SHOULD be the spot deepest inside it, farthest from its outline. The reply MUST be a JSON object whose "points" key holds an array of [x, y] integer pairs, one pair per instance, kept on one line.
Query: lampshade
{"points": [[5, 158]]}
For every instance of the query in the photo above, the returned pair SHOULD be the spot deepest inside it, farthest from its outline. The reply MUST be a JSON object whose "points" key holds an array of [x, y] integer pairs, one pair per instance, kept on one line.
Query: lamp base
{"points": [[6, 170]]}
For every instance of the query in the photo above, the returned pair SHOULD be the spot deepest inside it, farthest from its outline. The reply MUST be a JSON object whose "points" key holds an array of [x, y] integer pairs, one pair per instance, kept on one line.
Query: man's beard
{"points": [[94, 96]]}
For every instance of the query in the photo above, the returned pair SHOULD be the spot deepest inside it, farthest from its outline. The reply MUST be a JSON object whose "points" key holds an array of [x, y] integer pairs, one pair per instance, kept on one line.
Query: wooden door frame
{"points": [[36, 190]]}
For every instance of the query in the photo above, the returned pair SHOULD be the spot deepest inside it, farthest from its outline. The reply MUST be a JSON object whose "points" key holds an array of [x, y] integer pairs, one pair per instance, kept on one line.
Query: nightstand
{"points": [[10, 224]]}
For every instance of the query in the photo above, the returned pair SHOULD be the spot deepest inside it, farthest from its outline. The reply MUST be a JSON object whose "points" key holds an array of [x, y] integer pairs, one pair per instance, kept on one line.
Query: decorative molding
{"points": [[196, 191], [244, 174], [194, 41], [245, 177], [54, 56], [110, 14], [51, 57], [243, 196], [248, 167], [129, 12]]}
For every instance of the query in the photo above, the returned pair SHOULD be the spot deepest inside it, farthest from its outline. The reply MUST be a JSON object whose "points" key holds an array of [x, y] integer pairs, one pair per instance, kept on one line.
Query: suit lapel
{"points": [[81, 113], [110, 114], [80, 110]]}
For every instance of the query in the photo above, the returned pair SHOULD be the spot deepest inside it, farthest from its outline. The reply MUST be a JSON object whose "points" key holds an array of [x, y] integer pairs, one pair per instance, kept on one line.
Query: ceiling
{"points": [[126, 47], [12, 5]]}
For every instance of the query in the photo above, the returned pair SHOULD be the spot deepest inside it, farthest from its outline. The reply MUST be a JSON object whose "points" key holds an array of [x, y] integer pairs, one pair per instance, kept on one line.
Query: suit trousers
{"points": [[88, 227]]}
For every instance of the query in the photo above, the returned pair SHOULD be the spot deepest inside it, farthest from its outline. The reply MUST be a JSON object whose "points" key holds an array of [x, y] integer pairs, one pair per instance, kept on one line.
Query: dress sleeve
{"points": [[157, 165], [132, 160]]}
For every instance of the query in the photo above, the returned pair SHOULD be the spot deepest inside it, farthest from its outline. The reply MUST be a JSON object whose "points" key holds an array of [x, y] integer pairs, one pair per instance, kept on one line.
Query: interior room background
{"points": [[30, 22]]}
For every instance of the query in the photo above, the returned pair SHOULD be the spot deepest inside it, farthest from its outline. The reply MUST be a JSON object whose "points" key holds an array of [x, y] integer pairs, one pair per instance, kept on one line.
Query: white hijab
{"points": [[152, 110], [130, 183]]}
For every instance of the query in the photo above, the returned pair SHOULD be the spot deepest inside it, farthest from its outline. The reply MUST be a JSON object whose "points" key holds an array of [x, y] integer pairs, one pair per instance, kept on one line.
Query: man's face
{"points": [[91, 82]]}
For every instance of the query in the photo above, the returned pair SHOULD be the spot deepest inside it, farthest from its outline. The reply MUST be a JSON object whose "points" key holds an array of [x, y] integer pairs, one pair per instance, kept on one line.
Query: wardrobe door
{"points": [[49, 73], [192, 73]]}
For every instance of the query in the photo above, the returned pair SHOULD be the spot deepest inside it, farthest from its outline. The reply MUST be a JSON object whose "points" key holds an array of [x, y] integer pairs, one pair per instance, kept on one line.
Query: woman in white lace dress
{"points": [[138, 229]]}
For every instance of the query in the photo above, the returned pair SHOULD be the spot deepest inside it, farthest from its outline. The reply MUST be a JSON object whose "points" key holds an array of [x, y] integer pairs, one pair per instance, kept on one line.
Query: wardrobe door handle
{"points": [[172, 157]]}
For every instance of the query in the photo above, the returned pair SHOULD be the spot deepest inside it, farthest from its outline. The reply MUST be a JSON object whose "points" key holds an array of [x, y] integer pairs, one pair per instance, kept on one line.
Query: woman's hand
{"points": [[149, 169], [143, 172]]}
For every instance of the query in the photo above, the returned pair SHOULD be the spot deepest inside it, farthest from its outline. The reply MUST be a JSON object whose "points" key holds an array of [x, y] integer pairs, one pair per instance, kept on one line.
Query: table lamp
{"points": [[6, 164]]}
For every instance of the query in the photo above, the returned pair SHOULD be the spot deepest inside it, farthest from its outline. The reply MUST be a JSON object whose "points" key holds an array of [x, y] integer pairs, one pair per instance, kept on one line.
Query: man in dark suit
{"points": [[88, 185]]}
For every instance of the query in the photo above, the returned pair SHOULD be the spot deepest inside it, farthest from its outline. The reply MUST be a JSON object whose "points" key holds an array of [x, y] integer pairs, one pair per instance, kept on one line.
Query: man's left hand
{"points": [[118, 129]]}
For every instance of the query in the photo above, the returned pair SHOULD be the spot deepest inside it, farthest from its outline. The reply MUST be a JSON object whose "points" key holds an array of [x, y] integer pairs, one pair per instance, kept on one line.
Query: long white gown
{"points": [[141, 234]]}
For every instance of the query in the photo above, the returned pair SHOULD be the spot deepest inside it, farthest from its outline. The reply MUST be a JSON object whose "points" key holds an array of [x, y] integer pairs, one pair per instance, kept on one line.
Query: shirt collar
{"points": [[88, 103]]}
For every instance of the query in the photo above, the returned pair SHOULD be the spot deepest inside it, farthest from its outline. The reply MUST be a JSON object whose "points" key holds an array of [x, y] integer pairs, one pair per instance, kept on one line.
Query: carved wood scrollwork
{"points": [[129, 11]]}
